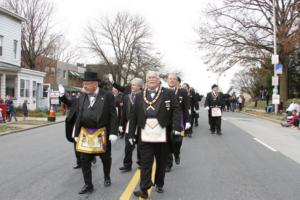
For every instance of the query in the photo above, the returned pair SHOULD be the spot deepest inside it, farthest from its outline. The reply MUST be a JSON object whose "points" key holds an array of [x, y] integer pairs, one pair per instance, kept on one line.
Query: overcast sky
{"points": [[172, 23]]}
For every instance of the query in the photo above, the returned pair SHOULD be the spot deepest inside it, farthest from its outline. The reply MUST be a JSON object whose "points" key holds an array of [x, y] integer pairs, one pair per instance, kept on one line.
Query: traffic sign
{"points": [[276, 99], [275, 59], [278, 68], [275, 81]]}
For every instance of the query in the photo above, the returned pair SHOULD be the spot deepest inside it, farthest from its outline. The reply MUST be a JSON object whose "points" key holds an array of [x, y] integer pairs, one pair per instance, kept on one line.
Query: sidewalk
{"points": [[30, 123]]}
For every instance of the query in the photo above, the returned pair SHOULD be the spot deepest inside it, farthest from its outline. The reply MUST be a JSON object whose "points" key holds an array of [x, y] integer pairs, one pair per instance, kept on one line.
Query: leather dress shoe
{"points": [[86, 189], [219, 133], [125, 169], [177, 161], [107, 182], [141, 193], [77, 167], [212, 132], [159, 189]]}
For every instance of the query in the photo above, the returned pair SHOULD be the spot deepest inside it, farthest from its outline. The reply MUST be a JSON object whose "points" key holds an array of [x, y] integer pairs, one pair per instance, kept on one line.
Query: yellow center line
{"points": [[131, 186], [134, 181]]}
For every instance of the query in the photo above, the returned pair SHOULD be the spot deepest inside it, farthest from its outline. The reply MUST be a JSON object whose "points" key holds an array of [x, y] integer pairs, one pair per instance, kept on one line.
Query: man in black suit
{"points": [[136, 87], [154, 111], [194, 107], [184, 105], [70, 120], [95, 129], [214, 103]]}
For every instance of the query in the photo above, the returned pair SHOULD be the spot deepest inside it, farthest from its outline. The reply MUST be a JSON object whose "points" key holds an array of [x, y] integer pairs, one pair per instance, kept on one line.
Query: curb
{"points": [[35, 127], [258, 116]]}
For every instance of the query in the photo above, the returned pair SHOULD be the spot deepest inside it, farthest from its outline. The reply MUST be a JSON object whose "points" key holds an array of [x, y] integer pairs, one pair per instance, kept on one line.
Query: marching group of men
{"points": [[148, 115]]}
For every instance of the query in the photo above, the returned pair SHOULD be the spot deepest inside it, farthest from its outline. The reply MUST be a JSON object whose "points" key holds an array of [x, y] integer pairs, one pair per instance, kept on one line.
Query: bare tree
{"points": [[241, 33], [118, 41], [37, 39]]}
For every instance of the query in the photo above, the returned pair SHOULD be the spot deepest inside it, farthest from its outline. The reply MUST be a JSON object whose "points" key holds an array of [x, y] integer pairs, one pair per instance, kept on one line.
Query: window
{"points": [[1, 45], [34, 86], [45, 90], [15, 48], [47, 69], [24, 88]]}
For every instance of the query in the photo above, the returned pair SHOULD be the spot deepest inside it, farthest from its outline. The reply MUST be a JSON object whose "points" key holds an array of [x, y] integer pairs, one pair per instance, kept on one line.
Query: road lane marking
{"points": [[131, 186], [268, 146], [126, 195]]}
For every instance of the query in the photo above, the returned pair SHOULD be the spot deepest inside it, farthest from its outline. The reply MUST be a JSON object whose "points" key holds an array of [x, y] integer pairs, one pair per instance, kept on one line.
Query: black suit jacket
{"points": [[184, 103], [166, 117], [211, 103], [193, 101], [107, 114], [71, 117]]}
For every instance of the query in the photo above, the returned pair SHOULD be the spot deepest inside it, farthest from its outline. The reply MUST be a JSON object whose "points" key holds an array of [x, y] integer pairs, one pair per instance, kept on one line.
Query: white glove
{"points": [[120, 129], [76, 139], [177, 133], [61, 90], [113, 138], [206, 108], [110, 78], [187, 125], [197, 111], [131, 141], [190, 112]]}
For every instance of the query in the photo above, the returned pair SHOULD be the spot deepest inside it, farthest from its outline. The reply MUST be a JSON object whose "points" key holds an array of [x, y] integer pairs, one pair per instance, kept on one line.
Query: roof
{"points": [[11, 14]]}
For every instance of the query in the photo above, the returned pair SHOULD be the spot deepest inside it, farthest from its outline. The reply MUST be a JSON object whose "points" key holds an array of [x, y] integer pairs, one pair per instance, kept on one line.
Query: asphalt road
{"points": [[251, 161]]}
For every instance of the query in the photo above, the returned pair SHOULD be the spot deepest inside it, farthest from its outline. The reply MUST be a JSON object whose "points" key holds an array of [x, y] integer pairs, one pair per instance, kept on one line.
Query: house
{"points": [[20, 84]]}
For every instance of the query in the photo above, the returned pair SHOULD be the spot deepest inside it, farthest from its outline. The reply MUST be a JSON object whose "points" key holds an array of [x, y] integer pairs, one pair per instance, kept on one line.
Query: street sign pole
{"points": [[275, 60]]}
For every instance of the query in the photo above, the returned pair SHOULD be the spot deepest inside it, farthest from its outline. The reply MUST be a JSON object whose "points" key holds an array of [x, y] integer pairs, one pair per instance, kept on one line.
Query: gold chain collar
{"points": [[150, 103]]}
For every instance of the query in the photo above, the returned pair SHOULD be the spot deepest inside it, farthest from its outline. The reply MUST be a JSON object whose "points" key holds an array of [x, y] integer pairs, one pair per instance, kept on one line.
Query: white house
{"points": [[16, 82]]}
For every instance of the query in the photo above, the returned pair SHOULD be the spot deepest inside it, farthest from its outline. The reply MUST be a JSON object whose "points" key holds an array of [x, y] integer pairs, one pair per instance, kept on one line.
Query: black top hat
{"points": [[90, 76]]}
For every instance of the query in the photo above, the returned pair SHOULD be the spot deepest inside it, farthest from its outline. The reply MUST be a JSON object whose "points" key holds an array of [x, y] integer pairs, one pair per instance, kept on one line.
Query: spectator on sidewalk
{"points": [[293, 106], [25, 110], [12, 112], [292, 121], [3, 108]]}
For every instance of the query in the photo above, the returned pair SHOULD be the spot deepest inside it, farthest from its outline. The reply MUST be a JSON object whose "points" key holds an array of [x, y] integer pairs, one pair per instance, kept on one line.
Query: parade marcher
{"points": [[136, 87], [154, 111], [119, 106], [184, 105], [194, 107], [70, 120], [95, 129], [213, 103]]}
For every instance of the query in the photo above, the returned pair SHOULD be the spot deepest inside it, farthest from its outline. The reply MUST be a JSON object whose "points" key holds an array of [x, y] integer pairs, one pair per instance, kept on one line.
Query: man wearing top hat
{"points": [[154, 111], [213, 103], [95, 129]]}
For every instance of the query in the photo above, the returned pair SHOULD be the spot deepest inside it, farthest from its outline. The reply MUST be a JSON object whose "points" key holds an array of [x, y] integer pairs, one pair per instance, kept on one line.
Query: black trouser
{"points": [[77, 154], [174, 148], [86, 160], [128, 152], [214, 123], [148, 151]]}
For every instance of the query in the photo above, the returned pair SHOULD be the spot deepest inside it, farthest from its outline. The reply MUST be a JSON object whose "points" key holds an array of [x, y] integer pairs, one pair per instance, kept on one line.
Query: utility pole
{"points": [[275, 61]]}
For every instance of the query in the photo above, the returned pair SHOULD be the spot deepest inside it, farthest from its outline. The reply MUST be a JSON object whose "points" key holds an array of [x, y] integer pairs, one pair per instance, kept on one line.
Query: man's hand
{"points": [[76, 139], [206, 108], [113, 138], [131, 141], [120, 129], [187, 125], [61, 90], [197, 112], [177, 133]]}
